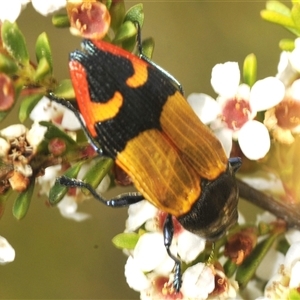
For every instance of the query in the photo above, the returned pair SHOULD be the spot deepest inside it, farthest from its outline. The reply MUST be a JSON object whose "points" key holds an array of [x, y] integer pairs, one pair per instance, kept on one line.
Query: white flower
{"points": [[35, 135], [7, 252], [4, 147], [68, 209], [288, 277], [294, 56], [10, 10], [69, 204], [231, 116], [283, 121], [198, 281], [47, 110], [186, 244], [47, 7], [13, 131], [135, 277], [149, 260]]}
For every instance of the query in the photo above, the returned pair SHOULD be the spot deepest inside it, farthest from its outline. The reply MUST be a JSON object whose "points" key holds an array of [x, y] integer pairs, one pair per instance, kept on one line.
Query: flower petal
{"points": [[295, 55], [13, 131], [69, 121], [295, 276], [224, 135], [198, 281], [7, 252], [292, 236], [189, 246], [225, 78], [205, 107], [10, 10], [266, 93], [47, 7], [150, 252], [139, 213], [68, 209], [292, 256], [135, 278], [254, 140]]}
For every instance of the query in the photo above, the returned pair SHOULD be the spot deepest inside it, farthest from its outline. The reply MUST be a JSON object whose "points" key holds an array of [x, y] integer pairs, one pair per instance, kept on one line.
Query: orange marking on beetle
{"points": [[140, 75], [92, 112]]}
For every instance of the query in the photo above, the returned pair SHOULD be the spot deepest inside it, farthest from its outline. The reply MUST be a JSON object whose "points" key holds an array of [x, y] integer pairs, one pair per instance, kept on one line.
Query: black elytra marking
{"points": [[142, 106]]}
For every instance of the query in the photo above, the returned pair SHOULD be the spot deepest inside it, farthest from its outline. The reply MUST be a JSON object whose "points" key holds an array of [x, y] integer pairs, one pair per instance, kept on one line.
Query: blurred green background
{"points": [[60, 259]]}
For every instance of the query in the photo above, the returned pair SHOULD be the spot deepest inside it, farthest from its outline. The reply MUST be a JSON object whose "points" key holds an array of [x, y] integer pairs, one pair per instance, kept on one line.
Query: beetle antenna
{"points": [[142, 56]]}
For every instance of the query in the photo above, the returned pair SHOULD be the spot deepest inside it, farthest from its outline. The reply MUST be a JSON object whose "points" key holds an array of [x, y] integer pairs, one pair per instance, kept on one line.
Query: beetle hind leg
{"points": [[168, 231]]}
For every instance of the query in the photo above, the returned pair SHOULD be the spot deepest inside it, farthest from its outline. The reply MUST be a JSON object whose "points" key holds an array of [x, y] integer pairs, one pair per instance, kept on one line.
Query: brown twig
{"points": [[286, 211]]}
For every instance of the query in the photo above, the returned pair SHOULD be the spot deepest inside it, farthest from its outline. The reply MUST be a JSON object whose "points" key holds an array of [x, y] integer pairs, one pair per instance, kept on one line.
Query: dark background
{"points": [[60, 259]]}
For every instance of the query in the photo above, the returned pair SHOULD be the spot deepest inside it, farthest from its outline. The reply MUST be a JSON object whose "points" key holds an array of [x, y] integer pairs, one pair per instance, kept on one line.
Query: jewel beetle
{"points": [[135, 113]]}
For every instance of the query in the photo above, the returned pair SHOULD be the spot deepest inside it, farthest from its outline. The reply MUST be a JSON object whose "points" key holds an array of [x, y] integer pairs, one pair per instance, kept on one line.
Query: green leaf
{"points": [[126, 31], [148, 47], [126, 240], [135, 14], [250, 69], [3, 115], [278, 7], [296, 15], [61, 20], [129, 44], [55, 132], [287, 45], [58, 191], [97, 172], [247, 270], [43, 69], [43, 50], [277, 18], [65, 89], [22, 203], [27, 105], [14, 42], [229, 268], [280, 19], [7, 65], [117, 13], [294, 294]]}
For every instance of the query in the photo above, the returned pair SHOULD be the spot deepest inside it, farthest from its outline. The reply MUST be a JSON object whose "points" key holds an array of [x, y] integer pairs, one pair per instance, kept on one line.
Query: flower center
{"points": [[288, 113], [236, 113]]}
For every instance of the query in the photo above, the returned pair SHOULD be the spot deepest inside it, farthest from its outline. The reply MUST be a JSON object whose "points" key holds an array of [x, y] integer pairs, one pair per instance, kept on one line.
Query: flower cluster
{"points": [[149, 269]]}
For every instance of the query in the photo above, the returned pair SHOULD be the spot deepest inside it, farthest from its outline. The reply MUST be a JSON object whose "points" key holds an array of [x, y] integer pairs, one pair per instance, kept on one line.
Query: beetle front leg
{"points": [[118, 201], [168, 232]]}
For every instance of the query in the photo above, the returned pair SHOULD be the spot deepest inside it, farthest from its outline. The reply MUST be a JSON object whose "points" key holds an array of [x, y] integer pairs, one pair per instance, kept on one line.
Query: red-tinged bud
{"points": [[89, 19], [240, 245], [7, 92], [57, 146]]}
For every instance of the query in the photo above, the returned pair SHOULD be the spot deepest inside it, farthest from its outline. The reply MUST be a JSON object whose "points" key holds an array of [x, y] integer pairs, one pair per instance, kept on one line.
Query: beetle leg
{"points": [[68, 105], [168, 231], [118, 201], [142, 56]]}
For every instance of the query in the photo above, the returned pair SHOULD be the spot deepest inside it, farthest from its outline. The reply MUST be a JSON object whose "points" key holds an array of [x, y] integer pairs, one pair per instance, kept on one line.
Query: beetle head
{"points": [[216, 209]]}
